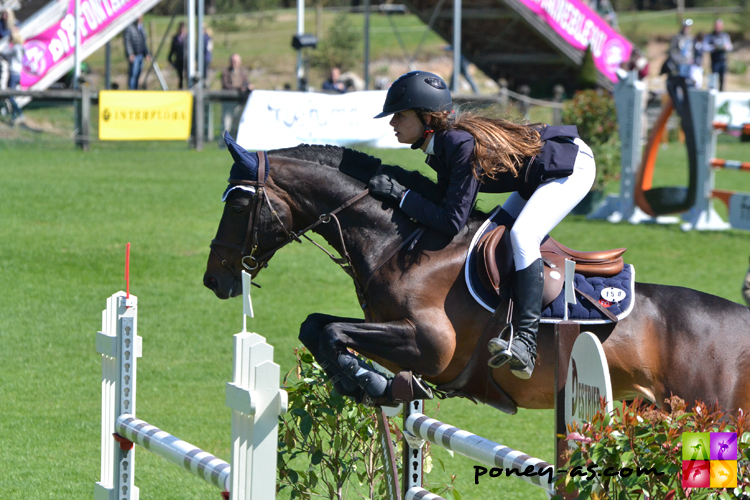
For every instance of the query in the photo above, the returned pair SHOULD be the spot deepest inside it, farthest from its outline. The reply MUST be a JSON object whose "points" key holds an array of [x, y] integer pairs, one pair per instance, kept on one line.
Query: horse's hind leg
{"points": [[309, 335]]}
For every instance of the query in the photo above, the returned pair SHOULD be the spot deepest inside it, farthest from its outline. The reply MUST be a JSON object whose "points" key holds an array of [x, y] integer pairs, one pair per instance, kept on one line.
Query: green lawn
{"points": [[66, 219]]}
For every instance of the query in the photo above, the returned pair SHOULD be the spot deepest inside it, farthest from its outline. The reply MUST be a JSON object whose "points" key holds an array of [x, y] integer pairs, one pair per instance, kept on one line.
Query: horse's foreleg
{"points": [[394, 344], [309, 335]]}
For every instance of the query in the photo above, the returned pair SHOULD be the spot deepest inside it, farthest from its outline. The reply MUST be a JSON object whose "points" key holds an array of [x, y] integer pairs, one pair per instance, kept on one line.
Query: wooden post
{"points": [[85, 118]]}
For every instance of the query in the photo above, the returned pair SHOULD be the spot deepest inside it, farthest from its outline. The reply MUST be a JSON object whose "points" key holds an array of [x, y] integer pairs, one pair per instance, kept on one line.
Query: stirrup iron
{"points": [[501, 355]]}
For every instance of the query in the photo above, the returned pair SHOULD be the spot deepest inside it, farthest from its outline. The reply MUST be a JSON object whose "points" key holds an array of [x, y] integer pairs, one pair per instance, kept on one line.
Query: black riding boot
{"points": [[528, 287]]}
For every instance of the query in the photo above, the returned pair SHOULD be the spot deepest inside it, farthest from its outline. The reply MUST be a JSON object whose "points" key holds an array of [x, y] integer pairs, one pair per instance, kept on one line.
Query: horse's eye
{"points": [[238, 209]]}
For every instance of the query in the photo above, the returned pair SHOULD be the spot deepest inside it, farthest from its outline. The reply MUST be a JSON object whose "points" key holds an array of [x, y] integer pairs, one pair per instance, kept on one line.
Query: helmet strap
{"points": [[426, 131]]}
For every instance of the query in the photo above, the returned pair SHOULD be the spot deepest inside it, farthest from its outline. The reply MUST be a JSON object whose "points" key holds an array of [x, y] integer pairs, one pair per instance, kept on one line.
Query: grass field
{"points": [[66, 219]]}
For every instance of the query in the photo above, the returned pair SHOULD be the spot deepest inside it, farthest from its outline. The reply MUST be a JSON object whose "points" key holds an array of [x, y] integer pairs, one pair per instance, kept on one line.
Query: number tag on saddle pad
{"points": [[612, 294]]}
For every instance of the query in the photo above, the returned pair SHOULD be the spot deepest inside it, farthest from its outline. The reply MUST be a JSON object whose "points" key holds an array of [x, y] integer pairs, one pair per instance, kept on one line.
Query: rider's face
{"points": [[407, 126]]}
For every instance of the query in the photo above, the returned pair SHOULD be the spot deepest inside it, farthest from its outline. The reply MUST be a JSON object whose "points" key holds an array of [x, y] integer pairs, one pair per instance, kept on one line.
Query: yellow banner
{"points": [[138, 115]]}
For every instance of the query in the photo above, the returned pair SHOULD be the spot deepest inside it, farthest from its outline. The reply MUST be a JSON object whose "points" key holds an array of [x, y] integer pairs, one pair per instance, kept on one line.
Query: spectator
{"points": [[334, 83], [718, 44], [136, 50], [14, 55], [696, 71], [678, 65], [7, 22], [234, 77], [208, 52], [607, 12], [637, 62], [176, 55], [746, 288]]}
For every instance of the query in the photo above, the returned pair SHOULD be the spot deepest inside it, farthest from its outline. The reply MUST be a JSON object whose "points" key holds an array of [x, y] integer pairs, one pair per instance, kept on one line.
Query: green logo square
{"points": [[695, 445]]}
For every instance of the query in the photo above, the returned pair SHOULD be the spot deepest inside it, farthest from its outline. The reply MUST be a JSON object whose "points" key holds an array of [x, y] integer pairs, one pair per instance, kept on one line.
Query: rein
{"points": [[251, 235]]}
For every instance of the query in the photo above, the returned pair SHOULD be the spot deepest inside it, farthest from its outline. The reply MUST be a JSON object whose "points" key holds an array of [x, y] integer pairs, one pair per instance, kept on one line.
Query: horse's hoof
{"points": [[373, 383]]}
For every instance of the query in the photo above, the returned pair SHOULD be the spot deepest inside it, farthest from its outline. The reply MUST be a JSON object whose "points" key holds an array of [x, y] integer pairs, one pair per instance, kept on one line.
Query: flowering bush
{"points": [[649, 439]]}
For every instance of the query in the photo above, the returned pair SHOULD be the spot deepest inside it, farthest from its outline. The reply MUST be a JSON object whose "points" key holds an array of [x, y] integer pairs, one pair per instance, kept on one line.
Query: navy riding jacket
{"points": [[454, 163]]}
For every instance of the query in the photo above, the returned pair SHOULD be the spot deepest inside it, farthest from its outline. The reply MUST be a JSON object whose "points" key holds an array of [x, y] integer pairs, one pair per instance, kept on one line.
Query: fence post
{"points": [[85, 114], [558, 92]]}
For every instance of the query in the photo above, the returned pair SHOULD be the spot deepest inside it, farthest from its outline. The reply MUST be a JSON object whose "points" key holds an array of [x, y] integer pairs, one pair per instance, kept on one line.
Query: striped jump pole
{"points": [[417, 493], [530, 469], [726, 127], [189, 457], [730, 164]]}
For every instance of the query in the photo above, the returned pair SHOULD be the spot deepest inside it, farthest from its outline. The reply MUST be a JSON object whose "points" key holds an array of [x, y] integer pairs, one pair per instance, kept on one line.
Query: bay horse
{"points": [[418, 312]]}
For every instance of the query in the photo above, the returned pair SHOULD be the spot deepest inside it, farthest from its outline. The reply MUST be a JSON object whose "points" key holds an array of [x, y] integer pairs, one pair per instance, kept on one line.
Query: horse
{"points": [[419, 315]]}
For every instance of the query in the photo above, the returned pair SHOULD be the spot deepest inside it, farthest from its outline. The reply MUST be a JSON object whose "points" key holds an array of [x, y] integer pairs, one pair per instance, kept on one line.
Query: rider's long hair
{"points": [[499, 145]]}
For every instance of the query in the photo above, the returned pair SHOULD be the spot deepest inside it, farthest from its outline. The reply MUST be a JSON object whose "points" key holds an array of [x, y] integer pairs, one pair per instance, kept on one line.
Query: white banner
{"points": [[733, 108], [274, 120]]}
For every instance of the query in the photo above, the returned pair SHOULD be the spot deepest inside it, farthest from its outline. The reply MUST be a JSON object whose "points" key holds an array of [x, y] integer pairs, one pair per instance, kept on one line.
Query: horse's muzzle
{"points": [[222, 291]]}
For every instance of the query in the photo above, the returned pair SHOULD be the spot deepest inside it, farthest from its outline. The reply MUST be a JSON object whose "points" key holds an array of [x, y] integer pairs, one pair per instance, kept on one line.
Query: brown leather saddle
{"points": [[495, 267], [495, 263]]}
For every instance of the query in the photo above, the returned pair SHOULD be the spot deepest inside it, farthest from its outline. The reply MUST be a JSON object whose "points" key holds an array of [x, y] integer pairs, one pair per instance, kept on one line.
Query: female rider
{"points": [[548, 169]]}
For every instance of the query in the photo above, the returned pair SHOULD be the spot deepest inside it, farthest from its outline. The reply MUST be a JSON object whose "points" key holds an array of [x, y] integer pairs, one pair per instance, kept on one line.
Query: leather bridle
{"points": [[249, 261]]}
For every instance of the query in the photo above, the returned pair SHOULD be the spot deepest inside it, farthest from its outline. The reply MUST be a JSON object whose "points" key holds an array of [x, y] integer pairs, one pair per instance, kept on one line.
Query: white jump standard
{"points": [[253, 395]]}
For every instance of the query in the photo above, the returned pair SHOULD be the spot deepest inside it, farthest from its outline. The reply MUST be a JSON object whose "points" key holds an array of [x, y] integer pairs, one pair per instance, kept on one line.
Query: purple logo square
{"points": [[723, 446]]}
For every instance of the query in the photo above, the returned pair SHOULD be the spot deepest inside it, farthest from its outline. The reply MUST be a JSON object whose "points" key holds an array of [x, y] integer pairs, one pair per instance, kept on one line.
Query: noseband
{"points": [[249, 261]]}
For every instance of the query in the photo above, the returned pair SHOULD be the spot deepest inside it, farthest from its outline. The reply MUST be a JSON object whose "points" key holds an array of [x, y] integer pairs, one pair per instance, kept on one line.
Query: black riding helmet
{"points": [[417, 90]]}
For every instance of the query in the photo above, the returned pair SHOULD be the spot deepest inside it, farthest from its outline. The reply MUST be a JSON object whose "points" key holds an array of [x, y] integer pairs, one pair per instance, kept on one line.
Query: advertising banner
{"points": [[733, 108], [140, 115], [581, 27], [52, 46], [273, 120]]}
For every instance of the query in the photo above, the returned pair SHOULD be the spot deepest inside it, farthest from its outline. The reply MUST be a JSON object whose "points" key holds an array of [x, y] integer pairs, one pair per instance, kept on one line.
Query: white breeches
{"points": [[549, 204]]}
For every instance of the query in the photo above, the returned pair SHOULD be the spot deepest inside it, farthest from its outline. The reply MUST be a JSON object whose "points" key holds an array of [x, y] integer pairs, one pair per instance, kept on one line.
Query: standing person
{"points": [[208, 53], [14, 55], [719, 44], [679, 64], [7, 23], [136, 50], [176, 55], [696, 71], [233, 77], [548, 169], [334, 83]]}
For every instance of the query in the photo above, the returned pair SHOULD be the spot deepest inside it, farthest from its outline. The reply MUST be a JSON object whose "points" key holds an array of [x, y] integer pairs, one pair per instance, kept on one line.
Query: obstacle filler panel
{"points": [[254, 396], [587, 380]]}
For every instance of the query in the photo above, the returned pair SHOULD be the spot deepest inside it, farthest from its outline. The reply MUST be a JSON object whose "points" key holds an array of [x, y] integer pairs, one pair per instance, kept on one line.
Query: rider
{"points": [[548, 169]]}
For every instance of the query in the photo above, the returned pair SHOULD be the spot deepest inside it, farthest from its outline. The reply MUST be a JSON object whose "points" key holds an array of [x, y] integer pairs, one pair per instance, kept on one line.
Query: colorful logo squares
{"points": [[723, 473], [709, 460]]}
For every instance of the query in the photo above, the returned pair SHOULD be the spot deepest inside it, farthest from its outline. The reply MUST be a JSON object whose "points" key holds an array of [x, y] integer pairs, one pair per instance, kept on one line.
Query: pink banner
{"points": [[581, 27], [51, 47]]}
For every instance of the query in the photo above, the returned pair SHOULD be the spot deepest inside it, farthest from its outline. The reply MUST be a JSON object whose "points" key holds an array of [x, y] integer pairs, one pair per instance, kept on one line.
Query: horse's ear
{"points": [[245, 163]]}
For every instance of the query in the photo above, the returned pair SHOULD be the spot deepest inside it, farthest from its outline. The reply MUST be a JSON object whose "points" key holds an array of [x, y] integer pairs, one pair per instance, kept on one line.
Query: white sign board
{"points": [[733, 108], [274, 120], [588, 380]]}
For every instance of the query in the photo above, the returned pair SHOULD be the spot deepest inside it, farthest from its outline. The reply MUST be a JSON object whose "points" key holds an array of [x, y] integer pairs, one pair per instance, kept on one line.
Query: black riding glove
{"points": [[385, 185]]}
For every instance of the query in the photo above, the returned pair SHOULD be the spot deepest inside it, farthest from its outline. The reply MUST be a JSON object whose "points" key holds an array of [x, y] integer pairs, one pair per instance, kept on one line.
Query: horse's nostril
{"points": [[210, 282]]}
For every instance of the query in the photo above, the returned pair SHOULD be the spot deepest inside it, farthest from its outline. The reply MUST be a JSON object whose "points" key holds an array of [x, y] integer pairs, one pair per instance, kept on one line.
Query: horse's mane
{"points": [[362, 167]]}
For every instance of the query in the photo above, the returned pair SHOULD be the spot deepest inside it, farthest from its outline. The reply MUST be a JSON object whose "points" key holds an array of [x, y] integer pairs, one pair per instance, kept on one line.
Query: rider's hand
{"points": [[385, 185]]}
